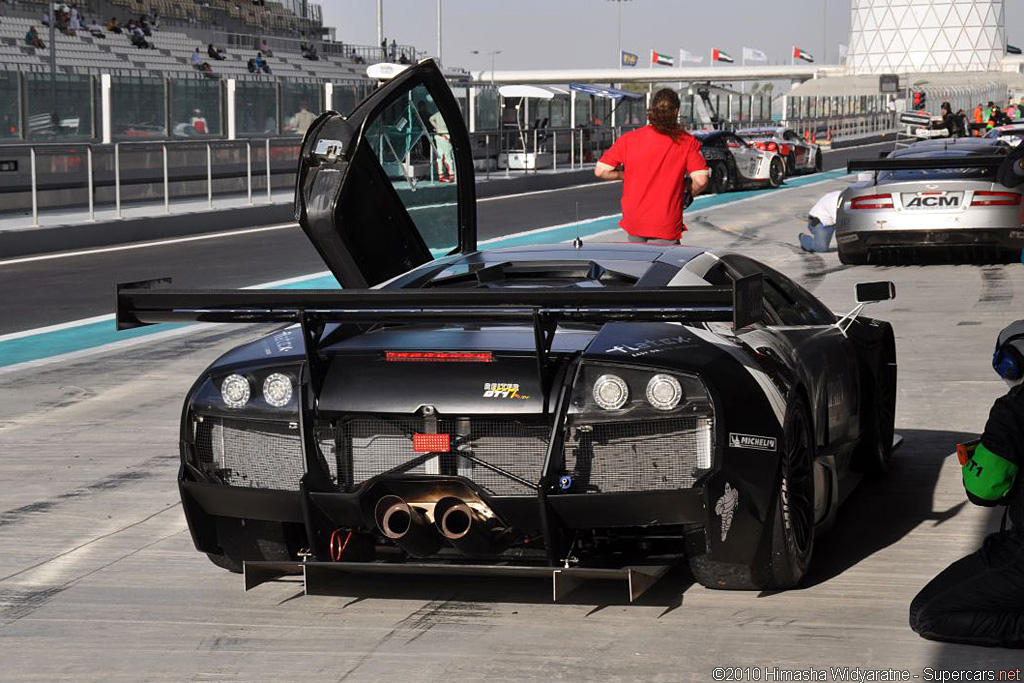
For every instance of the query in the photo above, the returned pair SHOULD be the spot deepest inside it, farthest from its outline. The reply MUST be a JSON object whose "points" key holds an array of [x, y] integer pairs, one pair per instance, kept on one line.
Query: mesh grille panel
{"points": [[649, 455], [264, 455], [370, 446]]}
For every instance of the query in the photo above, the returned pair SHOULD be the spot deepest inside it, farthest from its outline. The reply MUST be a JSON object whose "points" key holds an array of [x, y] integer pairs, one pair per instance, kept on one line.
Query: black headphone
{"points": [[1008, 359]]}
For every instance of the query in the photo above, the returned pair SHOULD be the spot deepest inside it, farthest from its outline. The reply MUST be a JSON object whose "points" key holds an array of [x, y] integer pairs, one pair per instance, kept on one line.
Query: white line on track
{"points": [[146, 245]]}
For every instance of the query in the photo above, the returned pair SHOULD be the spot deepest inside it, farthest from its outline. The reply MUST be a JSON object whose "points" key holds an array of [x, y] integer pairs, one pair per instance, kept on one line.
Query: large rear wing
{"points": [[151, 302], [993, 161]]}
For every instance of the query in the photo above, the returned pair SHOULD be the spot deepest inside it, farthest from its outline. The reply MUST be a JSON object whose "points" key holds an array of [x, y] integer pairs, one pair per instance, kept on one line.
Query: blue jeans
{"points": [[820, 237]]}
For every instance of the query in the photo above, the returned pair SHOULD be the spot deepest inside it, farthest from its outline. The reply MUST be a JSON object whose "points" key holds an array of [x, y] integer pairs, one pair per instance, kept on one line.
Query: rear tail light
{"points": [[438, 356], [784, 149], [872, 201], [986, 198], [772, 147]]}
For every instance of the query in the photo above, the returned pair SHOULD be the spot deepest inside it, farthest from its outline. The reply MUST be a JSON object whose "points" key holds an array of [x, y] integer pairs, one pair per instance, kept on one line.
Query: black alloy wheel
{"points": [[776, 171]]}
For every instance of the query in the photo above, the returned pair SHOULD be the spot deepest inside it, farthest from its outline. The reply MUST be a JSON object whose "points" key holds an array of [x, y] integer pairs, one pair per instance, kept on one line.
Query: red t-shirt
{"points": [[652, 190]]}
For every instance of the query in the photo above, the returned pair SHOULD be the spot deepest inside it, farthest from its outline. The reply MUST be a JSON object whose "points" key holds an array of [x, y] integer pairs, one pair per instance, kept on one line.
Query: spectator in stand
{"points": [[215, 52], [403, 59], [261, 64], [384, 48], [251, 65], [265, 49], [356, 57], [44, 19], [95, 30], [139, 39], [32, 39], [393, 50], [113, 26], [74, 21], [197, 59], [146, 27], [309, 52]]}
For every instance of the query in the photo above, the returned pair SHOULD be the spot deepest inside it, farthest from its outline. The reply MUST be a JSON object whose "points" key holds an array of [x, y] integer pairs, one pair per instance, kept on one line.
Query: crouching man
{"points": [[979, 599]]}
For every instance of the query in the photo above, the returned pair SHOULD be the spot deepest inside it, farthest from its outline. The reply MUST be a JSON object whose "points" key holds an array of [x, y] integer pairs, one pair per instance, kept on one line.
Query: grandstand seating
{"points": [[84, 54]]}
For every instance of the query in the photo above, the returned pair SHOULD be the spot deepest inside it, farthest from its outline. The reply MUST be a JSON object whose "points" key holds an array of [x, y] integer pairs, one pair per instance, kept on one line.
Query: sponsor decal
{"points": [[726, 508], [1017, 234], [507, 390], [846, 239], [283, 342], [934, 202], [758, 443], [649, 346]]}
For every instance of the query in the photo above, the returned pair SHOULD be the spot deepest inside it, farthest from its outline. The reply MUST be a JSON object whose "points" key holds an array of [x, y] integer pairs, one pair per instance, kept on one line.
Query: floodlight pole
{"points": [[380, 21], [439, 58]]}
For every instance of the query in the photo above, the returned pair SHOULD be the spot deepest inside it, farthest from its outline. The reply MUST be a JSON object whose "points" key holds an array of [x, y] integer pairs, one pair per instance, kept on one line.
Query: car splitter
{"points": [[317, 577]]}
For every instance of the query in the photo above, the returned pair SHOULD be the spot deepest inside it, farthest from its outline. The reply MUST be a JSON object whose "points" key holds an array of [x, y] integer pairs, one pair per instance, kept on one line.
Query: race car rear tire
{"points": [[793, 519], [852, 258], [254, 540], [785, 552], [776, 171], [720, 181], [790, 164], [874, 453], [225, 562]]}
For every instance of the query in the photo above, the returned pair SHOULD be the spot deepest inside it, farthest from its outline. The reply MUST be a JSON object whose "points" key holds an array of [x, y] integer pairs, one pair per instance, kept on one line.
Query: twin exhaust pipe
{"points": [[470, 532]]}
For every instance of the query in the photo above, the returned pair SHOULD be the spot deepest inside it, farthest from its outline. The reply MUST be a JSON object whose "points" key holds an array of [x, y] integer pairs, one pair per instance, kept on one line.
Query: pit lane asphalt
{"points": [[39, 293], [99, 580]]}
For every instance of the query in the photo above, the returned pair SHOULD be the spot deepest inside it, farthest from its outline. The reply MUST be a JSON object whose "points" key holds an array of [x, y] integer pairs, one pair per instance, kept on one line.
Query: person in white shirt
{"points": [[821, 223]]}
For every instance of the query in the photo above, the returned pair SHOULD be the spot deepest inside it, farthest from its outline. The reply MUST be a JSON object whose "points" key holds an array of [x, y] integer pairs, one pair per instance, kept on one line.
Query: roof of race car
{"points": [[775, 130], [955, 147]]}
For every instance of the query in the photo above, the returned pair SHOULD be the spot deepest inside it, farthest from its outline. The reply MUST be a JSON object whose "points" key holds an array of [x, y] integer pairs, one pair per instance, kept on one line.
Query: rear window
{"points": [[938, 174]]}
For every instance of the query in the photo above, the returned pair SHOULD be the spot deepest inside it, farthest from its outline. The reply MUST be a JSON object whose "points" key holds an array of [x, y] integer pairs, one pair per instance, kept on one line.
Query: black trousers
{"points": [[979, 599]]}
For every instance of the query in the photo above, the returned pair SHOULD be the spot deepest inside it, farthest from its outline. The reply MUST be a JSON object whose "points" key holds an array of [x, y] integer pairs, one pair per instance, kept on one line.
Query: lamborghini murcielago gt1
{"points": [[571, 408]]}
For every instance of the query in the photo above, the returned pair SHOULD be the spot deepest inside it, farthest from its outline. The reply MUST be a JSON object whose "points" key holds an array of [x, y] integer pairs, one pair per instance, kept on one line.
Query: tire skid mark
{"points": [[108, 483], [19, 602], [996, 286]]}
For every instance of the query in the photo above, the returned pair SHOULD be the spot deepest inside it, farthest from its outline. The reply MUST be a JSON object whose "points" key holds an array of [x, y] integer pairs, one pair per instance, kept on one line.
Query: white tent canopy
{"points": [[544, 92]]}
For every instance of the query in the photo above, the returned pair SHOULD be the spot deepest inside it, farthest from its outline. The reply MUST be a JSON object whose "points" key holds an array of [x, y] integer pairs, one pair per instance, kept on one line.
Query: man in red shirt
{"points": [[656, 161]]}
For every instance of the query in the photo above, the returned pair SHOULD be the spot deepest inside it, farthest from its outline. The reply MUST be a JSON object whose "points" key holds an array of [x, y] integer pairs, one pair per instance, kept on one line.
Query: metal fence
{"points": [[146, 171]]}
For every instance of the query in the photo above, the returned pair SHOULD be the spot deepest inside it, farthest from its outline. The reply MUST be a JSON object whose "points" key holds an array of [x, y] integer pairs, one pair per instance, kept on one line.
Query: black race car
{"points": [[580, 411], [736, 164]]}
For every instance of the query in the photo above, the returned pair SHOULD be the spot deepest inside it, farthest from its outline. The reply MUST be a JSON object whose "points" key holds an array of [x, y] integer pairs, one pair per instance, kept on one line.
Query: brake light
{"points": [[438, 356], [431, 443], [772, 147], [784, 149], [872, 201], [986, 198]]}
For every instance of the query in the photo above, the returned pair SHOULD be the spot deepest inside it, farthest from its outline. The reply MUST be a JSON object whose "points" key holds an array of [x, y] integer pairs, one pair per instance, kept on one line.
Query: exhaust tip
{"points": [[457, 521]]}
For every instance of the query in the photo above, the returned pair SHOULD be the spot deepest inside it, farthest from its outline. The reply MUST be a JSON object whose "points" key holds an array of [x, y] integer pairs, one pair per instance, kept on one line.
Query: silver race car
{"points": [[736, 165], [944, 199], [1011, 134], [800, 156]]}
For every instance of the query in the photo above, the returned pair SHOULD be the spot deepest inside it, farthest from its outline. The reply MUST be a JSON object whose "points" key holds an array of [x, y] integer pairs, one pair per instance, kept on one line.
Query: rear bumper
{"points": [[1000, 238], [577, 510]]}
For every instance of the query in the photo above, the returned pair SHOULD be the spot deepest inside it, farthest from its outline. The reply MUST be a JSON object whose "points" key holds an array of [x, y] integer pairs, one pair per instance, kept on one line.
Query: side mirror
{"points": [[872, 292]]}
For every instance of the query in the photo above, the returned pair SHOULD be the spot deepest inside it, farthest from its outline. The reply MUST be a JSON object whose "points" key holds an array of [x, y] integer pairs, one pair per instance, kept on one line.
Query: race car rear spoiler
{"points": [[993, 161], [150, 302]]}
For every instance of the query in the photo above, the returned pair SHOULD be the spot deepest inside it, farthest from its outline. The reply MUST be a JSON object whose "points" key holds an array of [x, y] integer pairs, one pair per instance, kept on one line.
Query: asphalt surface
{"points": [[47, 292], [99, 580]]}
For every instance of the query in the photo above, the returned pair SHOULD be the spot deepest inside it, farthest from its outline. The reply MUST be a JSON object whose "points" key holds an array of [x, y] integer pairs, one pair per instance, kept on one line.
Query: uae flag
{"points": [[721, 56], [658, 58], [802, 54]]}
